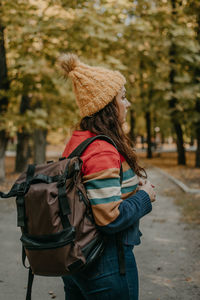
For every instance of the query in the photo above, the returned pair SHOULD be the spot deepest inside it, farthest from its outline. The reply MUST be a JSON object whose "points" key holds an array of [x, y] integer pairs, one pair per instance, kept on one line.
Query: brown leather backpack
{"points": [[59, 236]]}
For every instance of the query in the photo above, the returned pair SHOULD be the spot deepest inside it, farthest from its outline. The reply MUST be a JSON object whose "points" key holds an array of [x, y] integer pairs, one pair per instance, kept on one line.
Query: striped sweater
{"points": [[115, 206]]}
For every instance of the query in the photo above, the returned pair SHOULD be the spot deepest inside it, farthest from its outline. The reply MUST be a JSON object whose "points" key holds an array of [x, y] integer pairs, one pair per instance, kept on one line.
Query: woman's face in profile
{"points": [[122, 104]]}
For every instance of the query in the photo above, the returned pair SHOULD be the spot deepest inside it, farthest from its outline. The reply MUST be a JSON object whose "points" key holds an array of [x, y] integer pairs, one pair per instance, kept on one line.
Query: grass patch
{"points": [[190, 205]]}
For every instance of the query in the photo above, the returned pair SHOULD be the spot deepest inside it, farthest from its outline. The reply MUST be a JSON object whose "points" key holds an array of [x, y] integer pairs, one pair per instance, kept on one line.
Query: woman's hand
{"points": [[146, 186]]}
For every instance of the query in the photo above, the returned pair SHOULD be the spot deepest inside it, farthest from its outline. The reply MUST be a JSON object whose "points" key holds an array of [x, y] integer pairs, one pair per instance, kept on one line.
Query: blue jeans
{"points": [[102, 281]]}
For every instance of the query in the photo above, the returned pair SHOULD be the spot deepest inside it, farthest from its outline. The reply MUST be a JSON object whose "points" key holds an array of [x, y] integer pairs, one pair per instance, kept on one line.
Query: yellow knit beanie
{"points": [[94, 87]]}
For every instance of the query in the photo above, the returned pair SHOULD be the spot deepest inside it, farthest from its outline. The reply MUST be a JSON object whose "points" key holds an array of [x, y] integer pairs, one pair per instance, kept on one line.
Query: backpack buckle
{"points": [[22, 189], [61, 181]]}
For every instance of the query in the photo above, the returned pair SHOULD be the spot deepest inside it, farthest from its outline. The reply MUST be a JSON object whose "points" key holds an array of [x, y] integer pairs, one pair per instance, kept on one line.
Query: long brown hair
{"points": [[106, 121]]}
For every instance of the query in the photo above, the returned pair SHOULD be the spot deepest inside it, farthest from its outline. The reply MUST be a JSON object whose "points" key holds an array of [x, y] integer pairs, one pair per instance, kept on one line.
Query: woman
{"points": [[117, 207]]}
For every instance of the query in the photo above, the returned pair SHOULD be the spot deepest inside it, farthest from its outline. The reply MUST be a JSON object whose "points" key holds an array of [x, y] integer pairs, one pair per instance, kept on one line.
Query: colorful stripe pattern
{"points": [[105, 190], [101, 177]]}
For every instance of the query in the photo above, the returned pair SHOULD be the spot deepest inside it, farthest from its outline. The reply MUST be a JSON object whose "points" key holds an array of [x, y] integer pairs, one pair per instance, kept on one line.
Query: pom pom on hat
{"points": [[68, 62]]}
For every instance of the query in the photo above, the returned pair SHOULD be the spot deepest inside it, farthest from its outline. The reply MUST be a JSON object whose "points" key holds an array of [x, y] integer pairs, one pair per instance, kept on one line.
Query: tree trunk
{"points": [[173, 101], [22, 151], [23, 137], [179, 133], [191, 140], [179, 143], [197, 161], [3, 145], [148, 128], [197, 74], [4, 86], [132, 125], [147, 112], [39, 146], [162, 138]]}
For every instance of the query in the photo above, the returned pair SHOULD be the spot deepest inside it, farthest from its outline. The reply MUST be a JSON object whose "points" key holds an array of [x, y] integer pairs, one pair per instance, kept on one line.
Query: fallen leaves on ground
{"points": [[168, 162]]}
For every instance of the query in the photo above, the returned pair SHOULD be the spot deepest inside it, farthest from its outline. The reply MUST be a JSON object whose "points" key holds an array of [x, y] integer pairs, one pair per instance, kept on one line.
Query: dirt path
{"points": [[168, 258]]}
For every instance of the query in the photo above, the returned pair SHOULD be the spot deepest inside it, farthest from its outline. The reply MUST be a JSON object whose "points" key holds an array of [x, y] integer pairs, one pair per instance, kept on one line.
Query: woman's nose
{"points": [[127, 103]]}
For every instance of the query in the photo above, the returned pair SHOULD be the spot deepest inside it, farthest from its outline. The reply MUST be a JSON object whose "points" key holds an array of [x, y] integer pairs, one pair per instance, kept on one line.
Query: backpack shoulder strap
{"points": [[82, 147]]}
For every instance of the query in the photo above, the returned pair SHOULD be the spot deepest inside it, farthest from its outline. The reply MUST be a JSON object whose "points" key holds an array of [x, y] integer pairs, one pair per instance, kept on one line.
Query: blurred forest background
{"points": [[154, 43]]}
